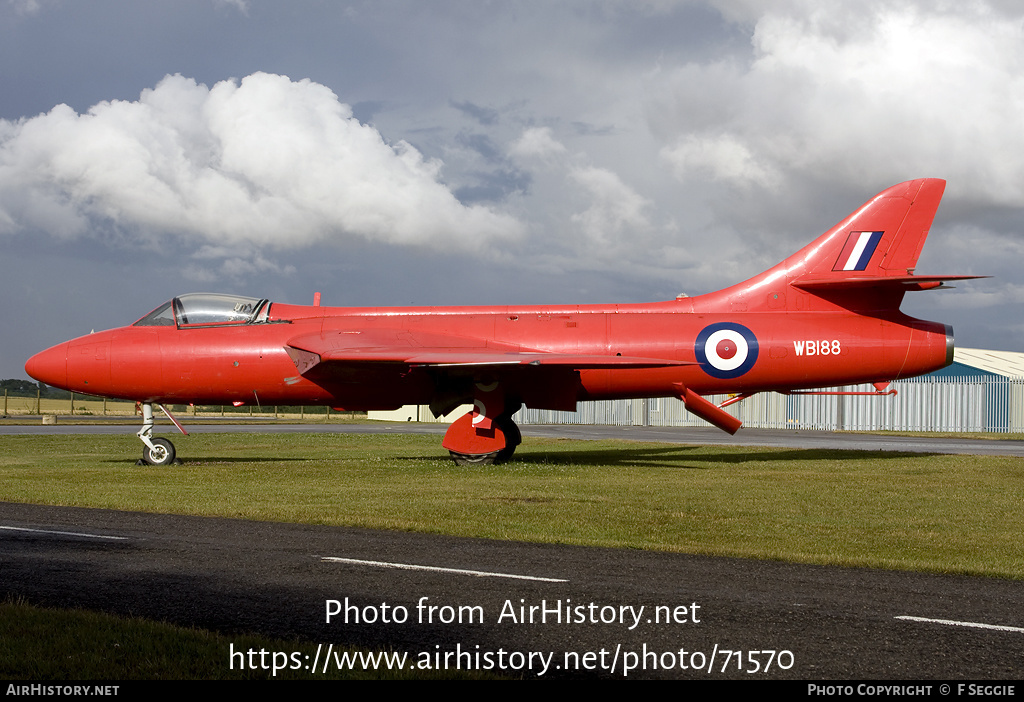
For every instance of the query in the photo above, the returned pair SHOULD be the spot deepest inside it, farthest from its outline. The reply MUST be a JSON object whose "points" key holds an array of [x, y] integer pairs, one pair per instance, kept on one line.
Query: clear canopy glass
{"points": [[205, 308]]}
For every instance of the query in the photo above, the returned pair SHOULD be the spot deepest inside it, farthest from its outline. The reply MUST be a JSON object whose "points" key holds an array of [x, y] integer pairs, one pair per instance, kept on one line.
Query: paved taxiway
{"points": [[675, 435], [238, 576]]}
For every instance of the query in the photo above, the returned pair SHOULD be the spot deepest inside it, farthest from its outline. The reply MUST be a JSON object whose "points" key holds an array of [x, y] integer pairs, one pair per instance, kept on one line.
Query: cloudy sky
{"points": [[396, 152]]}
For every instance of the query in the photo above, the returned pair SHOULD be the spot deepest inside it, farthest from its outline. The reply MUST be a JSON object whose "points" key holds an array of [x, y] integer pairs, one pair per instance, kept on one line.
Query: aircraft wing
{"points": [[424, 349]]}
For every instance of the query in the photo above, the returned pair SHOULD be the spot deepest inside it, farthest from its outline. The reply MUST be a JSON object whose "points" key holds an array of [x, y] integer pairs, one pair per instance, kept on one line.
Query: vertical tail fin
{"points": [[866, 262], [882, 238]]}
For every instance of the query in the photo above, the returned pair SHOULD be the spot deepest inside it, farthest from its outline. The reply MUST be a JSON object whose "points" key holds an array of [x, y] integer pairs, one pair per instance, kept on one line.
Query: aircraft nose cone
{"points": [[50, 366]]}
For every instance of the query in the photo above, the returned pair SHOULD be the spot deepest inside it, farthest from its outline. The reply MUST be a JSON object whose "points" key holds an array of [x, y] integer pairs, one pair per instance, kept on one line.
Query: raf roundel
{"points": [[726, 350]]}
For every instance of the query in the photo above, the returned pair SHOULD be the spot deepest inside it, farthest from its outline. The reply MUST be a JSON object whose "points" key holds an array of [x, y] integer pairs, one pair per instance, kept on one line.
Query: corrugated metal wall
{"points": [[976, 403]]}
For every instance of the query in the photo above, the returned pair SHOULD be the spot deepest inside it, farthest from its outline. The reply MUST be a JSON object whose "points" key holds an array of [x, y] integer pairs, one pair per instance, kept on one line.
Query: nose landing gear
{"points": [[156, 452]]}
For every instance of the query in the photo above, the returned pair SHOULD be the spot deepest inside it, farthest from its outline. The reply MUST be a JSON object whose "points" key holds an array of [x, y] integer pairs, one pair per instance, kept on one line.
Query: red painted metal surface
{"points": [[828, 315]]}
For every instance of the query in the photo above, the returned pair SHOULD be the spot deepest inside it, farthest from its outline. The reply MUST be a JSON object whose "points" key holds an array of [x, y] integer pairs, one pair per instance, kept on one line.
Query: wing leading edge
{"points": [[415, 349]]}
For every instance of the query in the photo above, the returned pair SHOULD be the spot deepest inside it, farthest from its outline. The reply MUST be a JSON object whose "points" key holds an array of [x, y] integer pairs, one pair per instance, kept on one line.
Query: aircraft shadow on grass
{"points": [[683, 457], [200, 461]]}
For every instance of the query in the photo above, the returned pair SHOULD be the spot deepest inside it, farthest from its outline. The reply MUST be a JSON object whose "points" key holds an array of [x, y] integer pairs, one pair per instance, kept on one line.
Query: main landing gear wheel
{"points": [[512, 436], [478, 459], [161, 454], [479, 439]]}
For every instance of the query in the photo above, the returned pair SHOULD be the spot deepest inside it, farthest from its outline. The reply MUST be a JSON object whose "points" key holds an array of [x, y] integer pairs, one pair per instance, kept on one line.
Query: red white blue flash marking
{"points": [[857, 251]]}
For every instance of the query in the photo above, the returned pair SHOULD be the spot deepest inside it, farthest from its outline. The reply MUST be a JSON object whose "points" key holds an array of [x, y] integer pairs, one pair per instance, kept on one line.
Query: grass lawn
{"points": [[939, 513]]}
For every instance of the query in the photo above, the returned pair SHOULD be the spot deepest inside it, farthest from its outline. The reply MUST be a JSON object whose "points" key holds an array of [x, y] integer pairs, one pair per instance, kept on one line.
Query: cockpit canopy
{"points": [[196, 309]]}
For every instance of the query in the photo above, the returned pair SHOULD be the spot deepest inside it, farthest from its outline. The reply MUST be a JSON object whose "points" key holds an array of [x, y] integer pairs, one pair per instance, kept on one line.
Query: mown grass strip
{"points": [[937, 513]]}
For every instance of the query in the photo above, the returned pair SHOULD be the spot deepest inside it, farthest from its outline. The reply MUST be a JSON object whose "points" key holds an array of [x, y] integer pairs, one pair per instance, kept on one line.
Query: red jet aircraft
{"points": [[826, 316]]}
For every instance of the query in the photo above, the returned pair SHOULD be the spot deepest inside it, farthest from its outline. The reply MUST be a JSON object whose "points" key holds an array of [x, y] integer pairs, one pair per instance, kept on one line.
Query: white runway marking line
{"points": [[437, 569], [973, 625], [64, 533]]}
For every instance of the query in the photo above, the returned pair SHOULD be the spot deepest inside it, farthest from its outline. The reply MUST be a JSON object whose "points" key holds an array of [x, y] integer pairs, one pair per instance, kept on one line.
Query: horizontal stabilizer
{"points": [[905, 283]]}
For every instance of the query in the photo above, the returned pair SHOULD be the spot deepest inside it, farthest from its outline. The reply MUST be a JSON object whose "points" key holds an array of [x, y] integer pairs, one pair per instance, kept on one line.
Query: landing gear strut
{"points": [[156, 452]]}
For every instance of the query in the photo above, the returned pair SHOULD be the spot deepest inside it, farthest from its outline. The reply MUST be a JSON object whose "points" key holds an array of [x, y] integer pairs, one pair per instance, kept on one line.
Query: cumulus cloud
{"points": [[616, 210], [605, 216], [723, 156], [240, 5], [264, 162], [873, 92], [537, 142], [25, 7]]}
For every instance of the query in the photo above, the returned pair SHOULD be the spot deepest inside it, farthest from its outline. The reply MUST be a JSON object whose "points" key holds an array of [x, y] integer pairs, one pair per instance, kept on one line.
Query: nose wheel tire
{"points": [[162, 453]]}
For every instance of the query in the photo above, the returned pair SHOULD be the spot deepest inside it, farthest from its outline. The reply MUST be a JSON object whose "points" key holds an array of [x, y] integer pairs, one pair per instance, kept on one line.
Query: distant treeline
{"points": [[27, 388]]}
